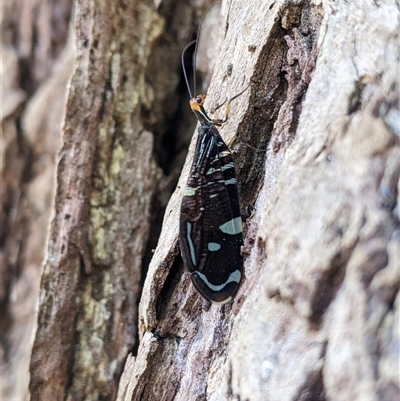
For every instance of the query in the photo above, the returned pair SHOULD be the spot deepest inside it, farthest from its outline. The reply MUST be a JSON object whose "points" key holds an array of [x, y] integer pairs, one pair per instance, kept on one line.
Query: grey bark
{"points": [[317, 314]]}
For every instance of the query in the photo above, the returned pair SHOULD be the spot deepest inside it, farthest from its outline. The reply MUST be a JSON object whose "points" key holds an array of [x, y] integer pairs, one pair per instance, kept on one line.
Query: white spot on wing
{"points": [[189, 191], [190, 242], [227, 166], [232, 181], [213, 246], [232, 227], [233, 278], [212, 170]]}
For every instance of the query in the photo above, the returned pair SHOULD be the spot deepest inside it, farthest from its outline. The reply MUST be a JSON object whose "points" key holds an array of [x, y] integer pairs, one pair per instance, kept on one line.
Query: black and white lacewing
{"points": [[210, 234]]}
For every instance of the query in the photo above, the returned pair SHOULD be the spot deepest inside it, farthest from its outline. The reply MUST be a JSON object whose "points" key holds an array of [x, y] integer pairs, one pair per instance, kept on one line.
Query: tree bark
{"points": [[318, 162], [36, 67], [317, 314], [107, 188]]}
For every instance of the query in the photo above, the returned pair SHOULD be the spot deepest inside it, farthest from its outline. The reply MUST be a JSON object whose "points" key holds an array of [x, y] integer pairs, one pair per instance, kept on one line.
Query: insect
{"points": [[210, 234]]}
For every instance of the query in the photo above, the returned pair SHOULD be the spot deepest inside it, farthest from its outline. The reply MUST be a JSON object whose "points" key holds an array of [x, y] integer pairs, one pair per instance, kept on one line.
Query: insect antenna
{"points": [[184, 69], [194, 55]]}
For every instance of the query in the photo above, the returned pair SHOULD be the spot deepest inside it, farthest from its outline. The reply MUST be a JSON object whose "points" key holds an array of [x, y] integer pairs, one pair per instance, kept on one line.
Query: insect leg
{"points": [[218, 122]]}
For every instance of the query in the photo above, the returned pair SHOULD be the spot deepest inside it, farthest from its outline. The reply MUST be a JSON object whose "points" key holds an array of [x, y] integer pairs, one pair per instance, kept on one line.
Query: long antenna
{"points": [[184, 69], [194, 55]]}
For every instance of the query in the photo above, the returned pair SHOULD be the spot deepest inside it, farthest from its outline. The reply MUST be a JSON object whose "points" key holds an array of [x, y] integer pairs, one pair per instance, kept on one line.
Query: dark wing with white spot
{"points": [[210, 223]]}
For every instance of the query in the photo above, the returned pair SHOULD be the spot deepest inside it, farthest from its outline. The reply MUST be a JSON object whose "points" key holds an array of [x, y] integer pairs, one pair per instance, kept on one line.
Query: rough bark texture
{"points": [[106, 182], [136, 91], [36, 67], [317, 315], [318, 160]]}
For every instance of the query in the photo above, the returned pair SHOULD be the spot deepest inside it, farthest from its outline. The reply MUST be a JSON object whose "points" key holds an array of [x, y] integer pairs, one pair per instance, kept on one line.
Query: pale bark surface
{"points": [[317, 315], [318, 162]]}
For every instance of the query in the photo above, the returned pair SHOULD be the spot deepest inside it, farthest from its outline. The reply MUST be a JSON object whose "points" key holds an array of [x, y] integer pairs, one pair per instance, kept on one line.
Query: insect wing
{"points": [[210, 225]]}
